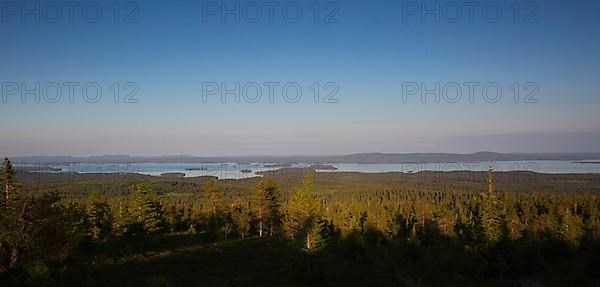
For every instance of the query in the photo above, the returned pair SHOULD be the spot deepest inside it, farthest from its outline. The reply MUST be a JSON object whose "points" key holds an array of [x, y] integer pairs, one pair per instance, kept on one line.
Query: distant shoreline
{"points": [[359, 158]]}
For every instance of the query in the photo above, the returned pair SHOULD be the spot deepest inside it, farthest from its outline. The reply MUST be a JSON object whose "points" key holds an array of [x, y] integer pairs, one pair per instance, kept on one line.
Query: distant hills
{"points": [[364, 158], [455, 157]]}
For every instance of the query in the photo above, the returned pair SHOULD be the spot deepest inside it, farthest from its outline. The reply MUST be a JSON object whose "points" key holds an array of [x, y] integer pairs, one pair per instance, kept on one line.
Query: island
{"points": [[323, 167], [28, 168], [196, 168], [270, 165], [173, 174]]}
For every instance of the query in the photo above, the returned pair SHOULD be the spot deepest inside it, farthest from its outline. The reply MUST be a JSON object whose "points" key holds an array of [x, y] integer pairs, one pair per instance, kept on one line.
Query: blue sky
{"points": [[368, 55]]}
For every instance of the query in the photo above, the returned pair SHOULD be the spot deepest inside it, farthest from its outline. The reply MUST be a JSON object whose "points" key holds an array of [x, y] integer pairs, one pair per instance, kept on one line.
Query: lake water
{"points": [[247, 170]]}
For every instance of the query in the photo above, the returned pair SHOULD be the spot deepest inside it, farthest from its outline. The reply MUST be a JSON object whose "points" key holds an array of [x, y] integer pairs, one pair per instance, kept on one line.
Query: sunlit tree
{"points": [[304, 219], [490, 219], [570, 229], [146, 209], [266, 203]]}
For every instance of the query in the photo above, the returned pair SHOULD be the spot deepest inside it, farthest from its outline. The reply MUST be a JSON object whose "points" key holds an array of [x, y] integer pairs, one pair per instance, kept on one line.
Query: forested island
{"points": [[297, 227]]}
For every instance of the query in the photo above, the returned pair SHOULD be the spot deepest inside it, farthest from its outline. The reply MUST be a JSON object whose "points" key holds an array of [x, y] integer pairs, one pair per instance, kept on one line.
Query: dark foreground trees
{"points": [[33, 228]]}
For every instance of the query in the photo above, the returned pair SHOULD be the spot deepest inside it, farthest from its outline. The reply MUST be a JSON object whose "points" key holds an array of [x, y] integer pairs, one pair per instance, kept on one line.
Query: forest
{"points": [[298, 227]]}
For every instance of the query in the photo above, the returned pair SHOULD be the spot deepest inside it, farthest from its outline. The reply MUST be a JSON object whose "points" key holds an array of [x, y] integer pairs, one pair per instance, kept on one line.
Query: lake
{"points": [[247, 170]]}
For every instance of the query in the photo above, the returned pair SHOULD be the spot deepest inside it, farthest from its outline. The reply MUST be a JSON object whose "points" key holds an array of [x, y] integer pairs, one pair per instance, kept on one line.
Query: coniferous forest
{"points": [[297, 227]]}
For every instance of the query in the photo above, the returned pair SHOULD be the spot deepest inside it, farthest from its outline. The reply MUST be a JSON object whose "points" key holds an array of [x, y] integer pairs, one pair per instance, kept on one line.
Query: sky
{"points": [[391, 76]]}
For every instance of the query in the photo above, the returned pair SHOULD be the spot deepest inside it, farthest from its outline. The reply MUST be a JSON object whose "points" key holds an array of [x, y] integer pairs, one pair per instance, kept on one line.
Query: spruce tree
{"points": [[146, 209], [304, 220], [15, 216], [273, 214], [241, 219], [99, 218], [514, 227], [570, 229], [490, 219], [213, 195], [9, 182]]}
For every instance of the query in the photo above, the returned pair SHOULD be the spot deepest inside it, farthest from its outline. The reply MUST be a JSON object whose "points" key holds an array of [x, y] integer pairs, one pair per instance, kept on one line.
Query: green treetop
{"points": [[146, 209], [304, 219], [490, 218]]}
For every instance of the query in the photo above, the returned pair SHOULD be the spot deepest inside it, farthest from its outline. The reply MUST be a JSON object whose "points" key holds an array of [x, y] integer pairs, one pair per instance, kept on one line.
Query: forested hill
{"points": [[372, 158]]}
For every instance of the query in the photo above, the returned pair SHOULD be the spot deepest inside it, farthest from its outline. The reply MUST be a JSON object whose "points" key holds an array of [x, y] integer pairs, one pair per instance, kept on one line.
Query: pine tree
{"points": [[260, 206], [273, 212], [146, 209], [514, 227], [490, 219], [266, 203], [214, 195], [122, 219], [98, 215], [362, 221], [304, 219], [15, 216], [570, 228], [8, 182], [33, 227], [174, 217], [350, 222], [446, 222], [241, 219]]}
